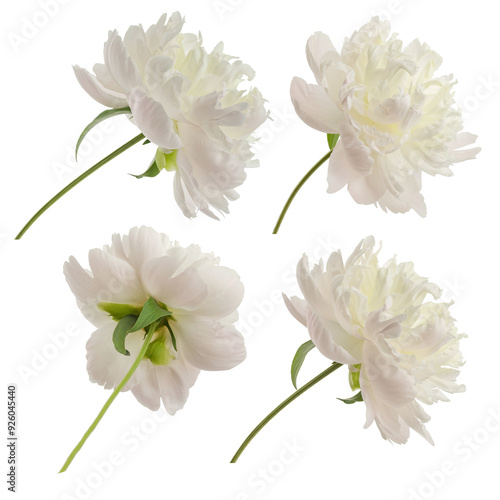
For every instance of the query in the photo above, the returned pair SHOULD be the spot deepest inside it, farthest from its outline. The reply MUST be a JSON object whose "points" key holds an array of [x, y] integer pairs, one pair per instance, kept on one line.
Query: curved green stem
{"points": [[119, 387], [297, 189], [79, 179], [283, 405]]}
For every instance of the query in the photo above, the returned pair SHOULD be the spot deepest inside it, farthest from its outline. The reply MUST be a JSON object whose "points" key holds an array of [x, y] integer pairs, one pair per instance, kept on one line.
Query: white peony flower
{"points": [[201, 295], [395, 118], [187, 102], [401, 350]]}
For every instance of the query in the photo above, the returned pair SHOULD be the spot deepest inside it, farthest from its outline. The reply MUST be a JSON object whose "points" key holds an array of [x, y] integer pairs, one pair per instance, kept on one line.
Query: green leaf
{"points": [[298, 359], [354, 399], [119, 311], [121, 331], [152, 171], [98, 119], [147, 141], [151, 312], [332, 139]]}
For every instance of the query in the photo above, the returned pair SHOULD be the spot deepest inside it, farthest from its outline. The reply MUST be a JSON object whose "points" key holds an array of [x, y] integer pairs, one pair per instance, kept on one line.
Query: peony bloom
{"points": [[395, 118], [188, 103], [401, 349], [201, 295]]}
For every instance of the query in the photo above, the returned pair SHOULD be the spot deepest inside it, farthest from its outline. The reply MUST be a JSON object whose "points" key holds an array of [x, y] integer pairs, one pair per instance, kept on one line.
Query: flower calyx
{"points": [[152, 315]]}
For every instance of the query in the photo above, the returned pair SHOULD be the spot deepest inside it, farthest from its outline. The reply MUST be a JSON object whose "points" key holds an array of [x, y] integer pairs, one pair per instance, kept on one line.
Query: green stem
{"points": [[280, 407], [297, 189], [72, 184], [119, 387]]}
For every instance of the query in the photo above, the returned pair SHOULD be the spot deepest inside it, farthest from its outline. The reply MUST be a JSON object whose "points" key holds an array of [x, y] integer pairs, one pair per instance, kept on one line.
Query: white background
{"points": [[186, 456]]}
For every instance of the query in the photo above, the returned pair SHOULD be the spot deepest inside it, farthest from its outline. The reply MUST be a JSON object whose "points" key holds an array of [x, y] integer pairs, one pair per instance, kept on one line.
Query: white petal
{"points": [[86, 291], [225, 291], [152, 120], [357, 154], [183, 291], [339, 171], [174, 382], [208, 344], [314, 107], [318, 46], [323, 339], [387, 382], [106, 97], [311, 290], [120, 65], [105, 79], [182, 197], [147, 391], [143, 244], [137, 46], [117, 279], [214, 168], [463, 139], [297, 308], [367, 189], [106, 366]]}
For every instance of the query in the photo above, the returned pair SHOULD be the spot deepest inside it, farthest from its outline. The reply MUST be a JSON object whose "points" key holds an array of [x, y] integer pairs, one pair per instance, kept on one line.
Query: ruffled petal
{"points": [[184, 291], [207, 344], [141, 245], [174, 382], [120, 65], [323, 339], [297, 308], [314, 107], [319, 46], [214, 168], [106, 366], [152, 121], [97, 91], [225, 291], [117, 280]]}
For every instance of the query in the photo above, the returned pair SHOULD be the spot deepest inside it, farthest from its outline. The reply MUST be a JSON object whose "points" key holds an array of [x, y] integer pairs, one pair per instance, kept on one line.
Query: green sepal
{"points": [[166, 161], [172, 336], [332, 139], [152, 171], [299, 358], [121, 331], [147, 141], [98, 119], [354, 378], [119, 311], [158, 353], [349, 401], [151, 312]]}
